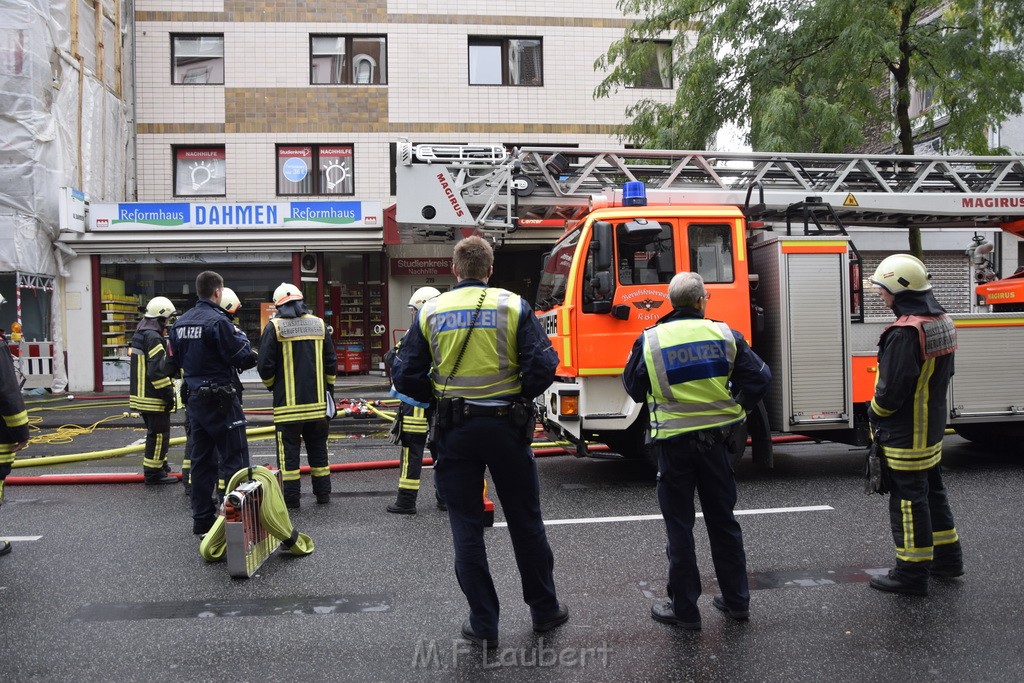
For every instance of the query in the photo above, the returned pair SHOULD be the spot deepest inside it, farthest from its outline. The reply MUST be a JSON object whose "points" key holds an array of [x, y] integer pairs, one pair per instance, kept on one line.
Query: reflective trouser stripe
{"points": [[404, 481], [945, 537], [320, 471], [908, 551], [286, 474]]}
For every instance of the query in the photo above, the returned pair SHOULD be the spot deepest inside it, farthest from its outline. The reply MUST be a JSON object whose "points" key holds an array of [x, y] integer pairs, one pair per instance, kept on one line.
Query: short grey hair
{"points": [[686, 290]]}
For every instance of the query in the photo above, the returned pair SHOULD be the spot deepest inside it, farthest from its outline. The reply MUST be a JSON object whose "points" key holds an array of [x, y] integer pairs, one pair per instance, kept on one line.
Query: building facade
{"points": [[266, 135]]}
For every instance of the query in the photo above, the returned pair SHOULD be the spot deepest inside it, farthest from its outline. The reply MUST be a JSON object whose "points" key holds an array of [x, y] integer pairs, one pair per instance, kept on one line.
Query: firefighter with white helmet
{"points": [[152, 391], [422, 296], [908, 419], [298, 364], [410, 427], [13, 419]]}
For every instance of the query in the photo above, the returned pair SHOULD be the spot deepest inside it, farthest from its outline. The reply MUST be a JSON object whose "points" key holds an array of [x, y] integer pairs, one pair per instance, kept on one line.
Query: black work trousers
{"points": [[681, 470], [413, 439], [158, 435], [462, 454], [290, 436], [216, 428], [922, 523]]}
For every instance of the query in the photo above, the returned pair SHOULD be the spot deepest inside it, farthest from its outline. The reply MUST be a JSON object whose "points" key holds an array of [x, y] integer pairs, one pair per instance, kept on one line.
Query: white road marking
{"points": [[20, 538], [647, 518]]}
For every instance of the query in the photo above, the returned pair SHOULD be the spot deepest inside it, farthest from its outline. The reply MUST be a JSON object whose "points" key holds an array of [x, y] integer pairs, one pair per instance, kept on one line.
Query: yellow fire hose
{"points": [[273, 516]]}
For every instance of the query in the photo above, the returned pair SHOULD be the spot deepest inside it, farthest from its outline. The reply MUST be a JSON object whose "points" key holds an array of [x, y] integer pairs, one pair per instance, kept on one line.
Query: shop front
{"points": [[131, 252]]}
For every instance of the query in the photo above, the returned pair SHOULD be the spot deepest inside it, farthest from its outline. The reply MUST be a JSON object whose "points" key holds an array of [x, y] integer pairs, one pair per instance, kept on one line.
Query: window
{"points": [[348, 60], [197, 60], [315, 170], [199, 172], [505, 61], [920, 100], [553, 278], [656, 69], [646, 263], [711, 251]]}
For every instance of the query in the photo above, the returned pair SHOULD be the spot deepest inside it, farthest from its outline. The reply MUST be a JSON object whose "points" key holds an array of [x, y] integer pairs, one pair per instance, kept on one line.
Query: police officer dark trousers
{"points": [[682, 368], [151, 392], [13, 420], [908, 415], [485, 422], [204, 345], [298, 364]]}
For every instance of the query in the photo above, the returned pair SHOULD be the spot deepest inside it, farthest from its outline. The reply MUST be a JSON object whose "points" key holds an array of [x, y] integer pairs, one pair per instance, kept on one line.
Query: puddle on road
{"points": [[199, 609]]}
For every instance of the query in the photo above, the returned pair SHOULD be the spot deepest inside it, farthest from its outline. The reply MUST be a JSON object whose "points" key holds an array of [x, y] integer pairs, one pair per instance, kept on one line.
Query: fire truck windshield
{"points": [[553, 278]]}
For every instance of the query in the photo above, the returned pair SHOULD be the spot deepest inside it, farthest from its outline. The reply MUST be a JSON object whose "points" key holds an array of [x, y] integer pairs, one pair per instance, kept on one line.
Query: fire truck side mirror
{"points": [[620, 312], [602, 244]]}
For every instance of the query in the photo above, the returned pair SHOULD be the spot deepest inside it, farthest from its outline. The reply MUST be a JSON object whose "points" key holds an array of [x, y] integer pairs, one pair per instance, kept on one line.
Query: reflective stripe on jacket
{"points": [[689, 363], [490, 365]]}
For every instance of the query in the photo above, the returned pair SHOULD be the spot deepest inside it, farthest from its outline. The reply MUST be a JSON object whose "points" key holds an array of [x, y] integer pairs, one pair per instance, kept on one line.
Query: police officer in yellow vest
{"points": [[151, 392], [908, 416], [482, 354], [697, 377], [298, 364]]}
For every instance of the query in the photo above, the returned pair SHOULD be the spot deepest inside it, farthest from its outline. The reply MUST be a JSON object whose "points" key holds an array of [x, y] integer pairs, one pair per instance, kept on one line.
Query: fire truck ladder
{"points": [[497, 191]]}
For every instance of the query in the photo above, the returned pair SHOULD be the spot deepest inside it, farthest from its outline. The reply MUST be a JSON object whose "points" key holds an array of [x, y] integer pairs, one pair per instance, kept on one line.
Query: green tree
{"points": [[814, 75]]}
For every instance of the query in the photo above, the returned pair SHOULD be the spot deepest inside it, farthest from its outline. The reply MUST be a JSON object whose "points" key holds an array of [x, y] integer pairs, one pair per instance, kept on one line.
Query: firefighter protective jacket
{"points": [[151, 390], [915, 365], [298, 363], [14, 428], [688, 389]]}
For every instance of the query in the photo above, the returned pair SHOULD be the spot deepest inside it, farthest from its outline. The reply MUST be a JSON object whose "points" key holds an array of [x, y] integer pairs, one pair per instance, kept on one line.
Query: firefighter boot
{"points": [[405, 504], [895, 583], [291, 494], [154, 476]]}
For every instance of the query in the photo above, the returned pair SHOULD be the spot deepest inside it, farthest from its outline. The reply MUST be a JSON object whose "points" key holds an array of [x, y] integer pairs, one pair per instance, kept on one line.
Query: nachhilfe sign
{"points": [[233, 215]]}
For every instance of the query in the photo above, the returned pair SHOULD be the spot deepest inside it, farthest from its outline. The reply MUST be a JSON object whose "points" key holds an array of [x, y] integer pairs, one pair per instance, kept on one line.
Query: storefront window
{"points": [[355, 310], [200, 171], [129, 281], [315, 170]]}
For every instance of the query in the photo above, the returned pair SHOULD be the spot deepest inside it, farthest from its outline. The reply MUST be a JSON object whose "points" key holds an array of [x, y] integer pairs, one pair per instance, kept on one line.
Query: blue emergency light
{"points": [[634, 193]]}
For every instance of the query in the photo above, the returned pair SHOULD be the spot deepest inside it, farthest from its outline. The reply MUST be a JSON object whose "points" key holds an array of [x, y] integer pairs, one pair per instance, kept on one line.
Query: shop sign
{"points": [[71, 209], [421, 266], [234, 215]]}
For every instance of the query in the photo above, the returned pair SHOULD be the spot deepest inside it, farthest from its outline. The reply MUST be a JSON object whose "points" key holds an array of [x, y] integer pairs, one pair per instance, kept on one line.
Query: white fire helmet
{"points": [[901, 273], [422, 296], [159, 307], [285, 293], [229, 301]]}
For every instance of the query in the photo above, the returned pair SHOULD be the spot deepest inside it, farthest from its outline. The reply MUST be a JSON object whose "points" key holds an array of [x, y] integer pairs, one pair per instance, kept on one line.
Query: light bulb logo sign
{"points": [[200, 171], [336, 169]]}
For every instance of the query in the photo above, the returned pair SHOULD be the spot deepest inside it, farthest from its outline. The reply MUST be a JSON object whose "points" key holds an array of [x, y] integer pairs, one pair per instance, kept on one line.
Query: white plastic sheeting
{"points": [[59, 126]]}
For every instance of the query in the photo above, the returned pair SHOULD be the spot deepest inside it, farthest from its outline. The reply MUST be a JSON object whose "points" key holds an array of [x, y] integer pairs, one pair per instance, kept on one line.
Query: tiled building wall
{"points": [[267, 99]]}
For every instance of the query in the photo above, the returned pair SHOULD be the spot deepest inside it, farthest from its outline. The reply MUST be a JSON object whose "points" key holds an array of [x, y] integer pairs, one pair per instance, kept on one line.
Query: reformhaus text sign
{"points": [[233, 215]]}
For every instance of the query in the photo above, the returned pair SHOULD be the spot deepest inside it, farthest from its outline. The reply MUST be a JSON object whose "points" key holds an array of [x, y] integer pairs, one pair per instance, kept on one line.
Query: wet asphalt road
{"points": [[107, 583]]}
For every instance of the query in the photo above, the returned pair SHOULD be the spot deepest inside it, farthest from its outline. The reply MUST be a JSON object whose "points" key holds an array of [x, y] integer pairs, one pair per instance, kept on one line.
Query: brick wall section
{"points": [[276, 110]]}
